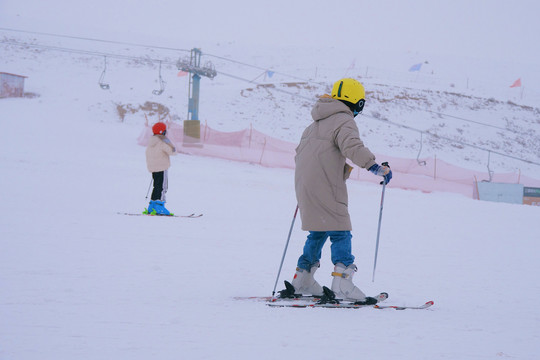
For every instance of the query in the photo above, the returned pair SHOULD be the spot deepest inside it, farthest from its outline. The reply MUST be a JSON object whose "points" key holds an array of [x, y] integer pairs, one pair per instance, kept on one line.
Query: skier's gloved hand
{"points": [[383, 171], [168, 142]]}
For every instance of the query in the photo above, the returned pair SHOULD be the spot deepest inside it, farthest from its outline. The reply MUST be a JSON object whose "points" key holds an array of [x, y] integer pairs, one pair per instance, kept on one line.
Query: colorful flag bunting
{"points": [[516, 83], [416, 67]]}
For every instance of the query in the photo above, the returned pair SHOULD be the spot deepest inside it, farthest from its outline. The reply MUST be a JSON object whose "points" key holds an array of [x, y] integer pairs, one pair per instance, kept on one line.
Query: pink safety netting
{"points": [[253, 146]]}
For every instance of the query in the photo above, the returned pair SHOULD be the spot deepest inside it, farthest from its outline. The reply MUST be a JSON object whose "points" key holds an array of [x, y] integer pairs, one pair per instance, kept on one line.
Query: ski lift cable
{"points": [[240, 63], [87, 52], [141, 45], [92, 39], [274, 88], [395, 124], [409, 106], [453, 140], [125, 57], [467, 120], [261, 68]]}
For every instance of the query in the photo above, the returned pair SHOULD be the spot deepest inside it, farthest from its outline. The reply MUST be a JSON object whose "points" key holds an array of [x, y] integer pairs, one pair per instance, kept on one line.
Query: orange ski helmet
{"points": [[159, 128]]}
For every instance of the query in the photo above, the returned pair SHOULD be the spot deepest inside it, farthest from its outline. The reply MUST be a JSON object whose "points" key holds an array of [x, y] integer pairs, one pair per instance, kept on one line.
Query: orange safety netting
{"points": [[426, 174]]}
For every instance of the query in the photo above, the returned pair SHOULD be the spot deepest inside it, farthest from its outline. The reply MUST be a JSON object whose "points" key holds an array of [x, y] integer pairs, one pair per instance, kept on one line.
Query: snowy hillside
{"points": [[407, 114]]}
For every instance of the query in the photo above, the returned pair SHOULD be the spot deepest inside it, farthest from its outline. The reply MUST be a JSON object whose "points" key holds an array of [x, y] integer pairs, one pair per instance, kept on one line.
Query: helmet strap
{"points": [[355, 108], [358, 107]]}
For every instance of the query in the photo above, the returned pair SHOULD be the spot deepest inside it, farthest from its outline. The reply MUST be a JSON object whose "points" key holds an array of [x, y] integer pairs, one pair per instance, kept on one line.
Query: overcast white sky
{"points": [[480, 28]]}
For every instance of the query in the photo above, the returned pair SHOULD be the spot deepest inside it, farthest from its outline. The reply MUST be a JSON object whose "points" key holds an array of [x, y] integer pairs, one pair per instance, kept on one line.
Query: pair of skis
{"points": [[343, 305], [191, 216], [300, 301]]}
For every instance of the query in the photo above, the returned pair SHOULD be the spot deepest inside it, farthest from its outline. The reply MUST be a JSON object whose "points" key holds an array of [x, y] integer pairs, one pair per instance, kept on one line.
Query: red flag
{"points": [[182, 73], [516, 83]]}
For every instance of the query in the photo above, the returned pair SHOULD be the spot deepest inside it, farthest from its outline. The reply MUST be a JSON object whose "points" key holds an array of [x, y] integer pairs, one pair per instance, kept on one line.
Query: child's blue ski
{"points": [[191, 216]]}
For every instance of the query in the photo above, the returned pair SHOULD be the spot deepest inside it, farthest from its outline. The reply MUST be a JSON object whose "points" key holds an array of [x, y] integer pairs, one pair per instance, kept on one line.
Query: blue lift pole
{"points": [[194, 101], [192, 126]]}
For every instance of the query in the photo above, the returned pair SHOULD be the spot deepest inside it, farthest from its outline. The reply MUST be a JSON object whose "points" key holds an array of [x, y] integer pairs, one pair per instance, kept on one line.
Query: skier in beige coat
{"points": [[321, 192], [158, 151]]}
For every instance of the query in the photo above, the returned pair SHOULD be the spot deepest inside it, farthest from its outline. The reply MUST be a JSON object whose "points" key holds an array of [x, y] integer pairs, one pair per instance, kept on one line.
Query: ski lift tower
{"points": [[192, 126]]}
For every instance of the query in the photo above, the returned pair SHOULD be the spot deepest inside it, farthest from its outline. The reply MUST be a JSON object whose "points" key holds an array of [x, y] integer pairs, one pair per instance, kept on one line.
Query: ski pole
{"points": [[379, 227], [285, 250], [149, 186]]}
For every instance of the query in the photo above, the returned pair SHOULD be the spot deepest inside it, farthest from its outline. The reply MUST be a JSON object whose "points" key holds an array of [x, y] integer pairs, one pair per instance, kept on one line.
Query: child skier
{"points": [[158, 152], [321, 191]]}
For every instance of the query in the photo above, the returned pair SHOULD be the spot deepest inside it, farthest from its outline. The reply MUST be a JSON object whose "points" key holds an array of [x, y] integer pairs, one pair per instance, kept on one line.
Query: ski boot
{"points": [[151, 208], [303, 284], [159, 206], [156, 207], [344, 288]]}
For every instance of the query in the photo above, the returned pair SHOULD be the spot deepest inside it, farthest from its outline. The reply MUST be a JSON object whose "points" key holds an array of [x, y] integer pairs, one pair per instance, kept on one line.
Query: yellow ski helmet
{"points": [[348, 90], [351, 92]]}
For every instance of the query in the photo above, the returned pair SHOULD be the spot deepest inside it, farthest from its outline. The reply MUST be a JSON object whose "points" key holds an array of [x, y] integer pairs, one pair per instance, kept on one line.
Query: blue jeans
{"points": [[340, 248]]}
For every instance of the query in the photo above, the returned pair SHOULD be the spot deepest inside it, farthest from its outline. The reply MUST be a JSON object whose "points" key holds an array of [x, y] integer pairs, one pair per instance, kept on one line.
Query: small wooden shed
{"points": [[11, 85]]}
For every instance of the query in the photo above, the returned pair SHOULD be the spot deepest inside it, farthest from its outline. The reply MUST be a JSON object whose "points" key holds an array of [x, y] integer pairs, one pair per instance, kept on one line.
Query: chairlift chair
{"points": [[161, 83], [420, 162], [103, 85]]}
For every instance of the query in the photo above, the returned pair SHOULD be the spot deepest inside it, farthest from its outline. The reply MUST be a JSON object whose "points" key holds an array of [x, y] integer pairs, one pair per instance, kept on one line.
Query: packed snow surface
{"points": [[79, 280]]}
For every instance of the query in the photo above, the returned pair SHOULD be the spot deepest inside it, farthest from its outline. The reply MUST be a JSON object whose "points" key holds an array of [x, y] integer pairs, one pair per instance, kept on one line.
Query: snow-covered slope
{"points": [[80, 281], [406, 115]]}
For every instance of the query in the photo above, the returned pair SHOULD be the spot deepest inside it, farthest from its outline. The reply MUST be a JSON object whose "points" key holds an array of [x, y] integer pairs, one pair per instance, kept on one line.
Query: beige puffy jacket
{"points": [[157, 154], [321, 170]]}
